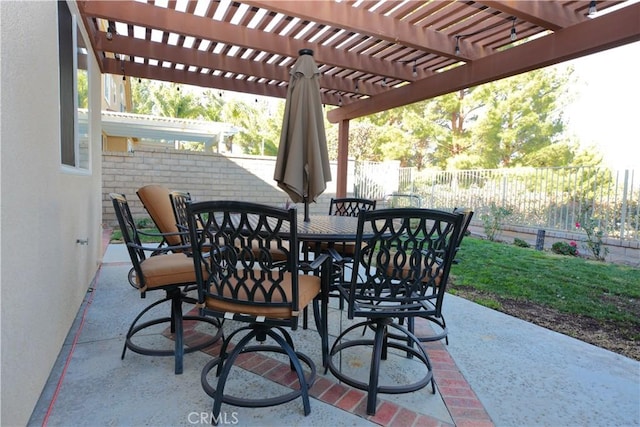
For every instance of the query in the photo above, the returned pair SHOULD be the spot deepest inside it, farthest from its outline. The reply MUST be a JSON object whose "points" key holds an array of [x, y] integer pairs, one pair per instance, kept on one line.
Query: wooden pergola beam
{"points": [[606, 32]]}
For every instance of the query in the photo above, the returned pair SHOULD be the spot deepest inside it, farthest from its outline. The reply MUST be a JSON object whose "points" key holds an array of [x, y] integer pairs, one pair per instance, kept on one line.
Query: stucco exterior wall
{"points": [[44, 272], [207, 176]]}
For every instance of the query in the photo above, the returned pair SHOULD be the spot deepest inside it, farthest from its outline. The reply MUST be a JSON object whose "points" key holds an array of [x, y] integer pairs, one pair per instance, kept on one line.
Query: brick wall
{"points": [[207, 176]]}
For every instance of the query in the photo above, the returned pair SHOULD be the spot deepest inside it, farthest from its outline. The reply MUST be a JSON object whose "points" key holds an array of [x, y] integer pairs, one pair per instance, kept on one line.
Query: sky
{"points": [[606, 112]]}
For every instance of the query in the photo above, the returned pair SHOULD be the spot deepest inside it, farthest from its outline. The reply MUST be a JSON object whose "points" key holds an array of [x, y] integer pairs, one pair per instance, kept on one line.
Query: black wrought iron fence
{"points": [[550, 198]]}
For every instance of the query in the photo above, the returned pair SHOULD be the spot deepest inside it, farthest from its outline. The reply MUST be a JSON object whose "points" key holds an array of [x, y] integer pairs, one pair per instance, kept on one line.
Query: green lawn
{"points": [[116, 236], [568, 284]]}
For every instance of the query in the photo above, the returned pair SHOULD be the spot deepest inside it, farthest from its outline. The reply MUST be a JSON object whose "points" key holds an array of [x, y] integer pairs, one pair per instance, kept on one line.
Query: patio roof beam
{"points": [[549, 15], [359, 20], [606, 32], [129, 46], [135, 13], [172, 75]]}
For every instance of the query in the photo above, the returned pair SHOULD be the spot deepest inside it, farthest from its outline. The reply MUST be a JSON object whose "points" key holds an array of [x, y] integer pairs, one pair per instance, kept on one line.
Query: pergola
{"points": [[374, 55]]}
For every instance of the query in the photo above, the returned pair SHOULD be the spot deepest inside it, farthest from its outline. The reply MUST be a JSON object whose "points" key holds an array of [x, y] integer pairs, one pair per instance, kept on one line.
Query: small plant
{"points": [[521, 243], [591, 226], [492, 221], [564, 248], [144, 223]]}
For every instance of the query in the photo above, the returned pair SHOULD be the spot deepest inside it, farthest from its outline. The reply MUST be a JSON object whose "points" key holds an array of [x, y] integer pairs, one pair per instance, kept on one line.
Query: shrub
{"points": [[564, 248], [492, 221], [591, 226], [521, 243]]}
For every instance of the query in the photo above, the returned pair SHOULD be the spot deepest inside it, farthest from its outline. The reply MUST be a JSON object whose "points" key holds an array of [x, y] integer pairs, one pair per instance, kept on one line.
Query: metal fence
{"points": [[551, 198]]}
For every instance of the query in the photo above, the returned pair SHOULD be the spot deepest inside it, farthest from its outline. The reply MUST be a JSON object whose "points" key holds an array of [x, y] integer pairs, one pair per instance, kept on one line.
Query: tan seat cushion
{"points": [[156, 201], [162, 270], [308, 286]]}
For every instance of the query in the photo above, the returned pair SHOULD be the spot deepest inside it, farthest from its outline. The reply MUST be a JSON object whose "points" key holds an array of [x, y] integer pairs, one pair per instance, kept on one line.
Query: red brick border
{"points": [[463, 405]]}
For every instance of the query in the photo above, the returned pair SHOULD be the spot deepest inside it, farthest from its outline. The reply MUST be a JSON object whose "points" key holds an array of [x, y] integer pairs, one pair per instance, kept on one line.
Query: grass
{"points": [[116, 236], [568, 284]]}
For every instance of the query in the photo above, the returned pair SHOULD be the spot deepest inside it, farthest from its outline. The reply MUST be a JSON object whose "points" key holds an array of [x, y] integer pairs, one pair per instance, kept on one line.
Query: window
{"points": [[74, 92]]}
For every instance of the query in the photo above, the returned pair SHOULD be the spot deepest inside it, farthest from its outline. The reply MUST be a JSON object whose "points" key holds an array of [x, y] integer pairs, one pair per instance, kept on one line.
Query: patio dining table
{"points": [[328, 228]]}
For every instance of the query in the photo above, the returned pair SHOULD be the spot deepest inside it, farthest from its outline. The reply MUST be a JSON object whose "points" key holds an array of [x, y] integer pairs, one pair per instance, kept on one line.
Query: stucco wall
{"points": [[206, 176], [44, 210]]}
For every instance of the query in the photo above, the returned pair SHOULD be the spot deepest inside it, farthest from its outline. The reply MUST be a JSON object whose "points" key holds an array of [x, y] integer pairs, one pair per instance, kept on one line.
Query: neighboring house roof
{"points": [[164, 128]]}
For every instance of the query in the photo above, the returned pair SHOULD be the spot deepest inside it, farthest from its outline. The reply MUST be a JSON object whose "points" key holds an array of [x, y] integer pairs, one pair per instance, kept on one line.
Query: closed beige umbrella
{"points": [[302, 167]]}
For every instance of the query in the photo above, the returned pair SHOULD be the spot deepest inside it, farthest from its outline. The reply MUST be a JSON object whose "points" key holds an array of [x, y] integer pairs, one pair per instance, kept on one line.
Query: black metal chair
{"points": [[169, 272], [467, 214], [346, 206], [179, 201], [343, 252], [349, 206], [239, 278], [156, 201], [435, 316], [409, 254]]}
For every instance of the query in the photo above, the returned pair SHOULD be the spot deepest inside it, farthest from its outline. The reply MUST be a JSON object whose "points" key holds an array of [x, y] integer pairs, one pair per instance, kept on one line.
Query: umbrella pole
{"points": [[306, 210]]}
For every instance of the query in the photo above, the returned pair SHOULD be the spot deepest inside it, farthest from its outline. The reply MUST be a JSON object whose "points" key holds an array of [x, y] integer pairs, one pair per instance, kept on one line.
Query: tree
{"points": [[142, 98], [212, 104], [365, 142], [260, 132], [83, 89], [522, 116], [512, 122], [171, 102]]}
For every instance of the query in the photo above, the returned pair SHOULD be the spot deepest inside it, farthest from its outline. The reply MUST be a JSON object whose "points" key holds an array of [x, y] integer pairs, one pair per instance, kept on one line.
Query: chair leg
{"points": [[378, 345], [132, 329], [225, 362], [176, 323], [305, 318], [176, 326], [374, 372], [320, 313]]}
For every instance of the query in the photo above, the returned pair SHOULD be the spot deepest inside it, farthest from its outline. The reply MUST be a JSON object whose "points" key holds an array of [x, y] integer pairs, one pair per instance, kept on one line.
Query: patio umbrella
{"points": [[302, 167]]}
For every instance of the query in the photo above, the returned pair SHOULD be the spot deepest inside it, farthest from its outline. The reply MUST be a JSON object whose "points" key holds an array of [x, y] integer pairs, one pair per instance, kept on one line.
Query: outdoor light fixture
{"points": [[592, 8], [109, 34], [457, 49], [513, 35], [384, 82], [357, 88], [340, 101], [415, 69]]}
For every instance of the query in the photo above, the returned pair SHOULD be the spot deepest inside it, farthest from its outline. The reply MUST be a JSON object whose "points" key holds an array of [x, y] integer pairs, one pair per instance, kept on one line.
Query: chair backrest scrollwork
{"points": [[246, 255], [350, 206], [405, 263]]}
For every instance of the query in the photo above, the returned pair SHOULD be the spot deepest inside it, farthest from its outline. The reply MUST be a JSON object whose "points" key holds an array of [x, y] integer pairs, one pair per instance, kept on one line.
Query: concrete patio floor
{"points": [[496, 370]]}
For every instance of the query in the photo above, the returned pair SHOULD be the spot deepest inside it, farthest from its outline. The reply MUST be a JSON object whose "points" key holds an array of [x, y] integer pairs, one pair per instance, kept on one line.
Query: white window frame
{"points": [[82, 158]]}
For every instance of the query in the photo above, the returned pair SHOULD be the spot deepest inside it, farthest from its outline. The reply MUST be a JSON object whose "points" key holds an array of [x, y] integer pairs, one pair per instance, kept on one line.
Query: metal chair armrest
{"points": [[164, 249]]}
